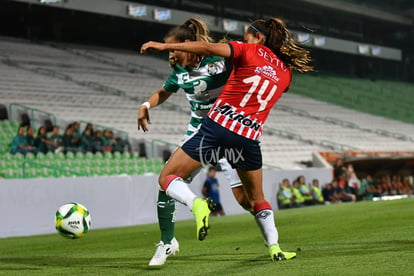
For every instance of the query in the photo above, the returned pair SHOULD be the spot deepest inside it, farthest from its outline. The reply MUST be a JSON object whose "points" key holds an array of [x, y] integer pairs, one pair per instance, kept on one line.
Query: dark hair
{"points": [[193, 29], [40, 129], [212, 168], [281, 42]]}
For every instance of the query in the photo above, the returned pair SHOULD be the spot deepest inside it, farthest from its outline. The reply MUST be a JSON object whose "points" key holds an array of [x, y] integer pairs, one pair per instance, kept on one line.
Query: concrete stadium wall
{"points": [[28, 206]]}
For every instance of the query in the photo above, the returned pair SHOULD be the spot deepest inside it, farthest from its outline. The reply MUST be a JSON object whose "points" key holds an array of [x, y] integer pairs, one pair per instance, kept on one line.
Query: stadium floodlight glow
{"points": [[49, 1], [376, 51], [319, 41], [303, 37], [363, 49], [230, 25], [162, 15], [137, 11]]}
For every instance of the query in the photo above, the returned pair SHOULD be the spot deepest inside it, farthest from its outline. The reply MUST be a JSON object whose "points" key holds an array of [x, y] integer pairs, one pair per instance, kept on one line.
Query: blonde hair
{"points": [[281, 42], [193, 29]]}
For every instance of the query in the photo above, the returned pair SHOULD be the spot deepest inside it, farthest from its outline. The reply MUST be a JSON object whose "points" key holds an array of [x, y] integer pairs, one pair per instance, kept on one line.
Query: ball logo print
{"points": [[72, 220], [263, 214]]}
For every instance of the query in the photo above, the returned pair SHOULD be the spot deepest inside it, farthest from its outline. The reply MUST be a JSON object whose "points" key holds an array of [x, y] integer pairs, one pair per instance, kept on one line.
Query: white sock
{"points": [[230, 173], [180, 191], [266, 223]]}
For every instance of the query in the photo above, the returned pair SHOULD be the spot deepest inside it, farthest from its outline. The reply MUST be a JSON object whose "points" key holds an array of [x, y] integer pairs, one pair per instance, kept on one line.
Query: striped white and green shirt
{"points": [[202, 86]]}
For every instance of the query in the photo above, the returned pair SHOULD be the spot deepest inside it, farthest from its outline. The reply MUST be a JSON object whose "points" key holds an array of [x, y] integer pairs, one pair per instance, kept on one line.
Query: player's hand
{"points": [[152, 45], [143, 118]]}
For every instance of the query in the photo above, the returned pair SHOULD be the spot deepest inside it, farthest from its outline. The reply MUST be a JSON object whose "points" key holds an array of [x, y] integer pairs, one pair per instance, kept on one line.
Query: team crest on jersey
{"points": [[212, 68], [267, 71]]}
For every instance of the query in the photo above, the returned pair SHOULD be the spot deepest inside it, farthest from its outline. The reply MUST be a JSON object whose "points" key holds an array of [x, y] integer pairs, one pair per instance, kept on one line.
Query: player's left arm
{"points": [[196, 47]]}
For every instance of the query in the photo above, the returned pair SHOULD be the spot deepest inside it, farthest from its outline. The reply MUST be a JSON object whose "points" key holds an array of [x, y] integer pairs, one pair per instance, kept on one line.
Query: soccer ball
{"points": [[72, 220]]}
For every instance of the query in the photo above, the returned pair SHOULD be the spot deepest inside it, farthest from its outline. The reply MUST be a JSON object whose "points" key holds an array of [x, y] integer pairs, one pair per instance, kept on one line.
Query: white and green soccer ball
{"points": [[72, 220]]}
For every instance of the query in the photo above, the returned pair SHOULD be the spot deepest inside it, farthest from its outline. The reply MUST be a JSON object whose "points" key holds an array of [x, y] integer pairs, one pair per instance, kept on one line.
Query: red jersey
{"points": [[256, 83]]}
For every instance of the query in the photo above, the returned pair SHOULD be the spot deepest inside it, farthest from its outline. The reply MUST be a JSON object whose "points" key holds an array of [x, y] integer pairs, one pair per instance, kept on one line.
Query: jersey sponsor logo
{"points": [[228, 111], [267, 71], [198, 106], [271, 59]]}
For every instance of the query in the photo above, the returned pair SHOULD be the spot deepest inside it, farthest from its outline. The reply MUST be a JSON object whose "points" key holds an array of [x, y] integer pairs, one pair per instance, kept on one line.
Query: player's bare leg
{"points": [[179, 166], [236, 185], [242, 198], [262, 210]]}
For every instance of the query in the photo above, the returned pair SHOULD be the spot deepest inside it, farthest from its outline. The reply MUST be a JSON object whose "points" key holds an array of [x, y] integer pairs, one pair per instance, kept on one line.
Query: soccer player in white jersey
{"points": [[262, 71], [202, 78]]}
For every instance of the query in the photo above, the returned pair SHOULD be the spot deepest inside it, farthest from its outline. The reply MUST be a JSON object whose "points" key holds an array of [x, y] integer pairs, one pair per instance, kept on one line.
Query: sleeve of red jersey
{"points": [[237, 49]]}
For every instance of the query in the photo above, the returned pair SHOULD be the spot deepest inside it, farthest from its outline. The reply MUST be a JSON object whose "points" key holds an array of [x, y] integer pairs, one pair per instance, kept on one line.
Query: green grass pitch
{"points": [[366, 238]]}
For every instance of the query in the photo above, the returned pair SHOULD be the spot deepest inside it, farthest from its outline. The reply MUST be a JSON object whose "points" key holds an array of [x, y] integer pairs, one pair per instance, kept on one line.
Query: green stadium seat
{"points": [[108, 155], [40, 156], [117, 155], [12, 173], [30, 156], [80, 155]]}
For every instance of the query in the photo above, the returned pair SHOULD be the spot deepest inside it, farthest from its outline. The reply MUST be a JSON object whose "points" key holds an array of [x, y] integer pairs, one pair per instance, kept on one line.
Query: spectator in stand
{"points": [[69, 141], [328, 194], [90, 127], [56, 142], [87, 143], [340, 193], [305, 191], [339, 168], [407, 189], [19, 143], [285, 195], [299, 200], [317, 192], [121, 145], [353, 181], [399, 185], [388, 186], [98, 143], [378, 186], [108, 140], [30, 137], [211, 190], [77, 135], [367, 188], [41, 142]]}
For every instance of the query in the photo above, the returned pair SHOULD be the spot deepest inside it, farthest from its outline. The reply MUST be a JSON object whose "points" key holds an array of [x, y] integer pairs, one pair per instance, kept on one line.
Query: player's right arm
{"points": [[157, 98]]}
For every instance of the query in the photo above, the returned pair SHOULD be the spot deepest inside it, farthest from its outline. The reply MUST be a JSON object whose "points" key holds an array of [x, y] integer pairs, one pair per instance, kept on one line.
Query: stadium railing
{"points": [[5, 58], [52, 73], [105, 88], [102, 127], [32, 111]]}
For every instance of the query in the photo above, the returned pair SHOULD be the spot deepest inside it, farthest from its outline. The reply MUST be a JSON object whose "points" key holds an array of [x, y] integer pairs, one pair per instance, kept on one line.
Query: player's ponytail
{"points": [[281, 42], [193, 30]]}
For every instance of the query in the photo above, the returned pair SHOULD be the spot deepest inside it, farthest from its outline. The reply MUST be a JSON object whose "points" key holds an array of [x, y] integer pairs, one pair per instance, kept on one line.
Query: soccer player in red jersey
{"points": [[262, 71]]}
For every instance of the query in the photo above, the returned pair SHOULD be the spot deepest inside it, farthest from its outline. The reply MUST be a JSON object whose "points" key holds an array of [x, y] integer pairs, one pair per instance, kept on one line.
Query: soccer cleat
{"points": [[201, 210], [163, 251], [278, 255]]}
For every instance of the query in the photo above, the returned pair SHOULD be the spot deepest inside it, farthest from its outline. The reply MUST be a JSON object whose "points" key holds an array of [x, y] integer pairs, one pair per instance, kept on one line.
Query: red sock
{"points": [[261, 206], [167, 181]]}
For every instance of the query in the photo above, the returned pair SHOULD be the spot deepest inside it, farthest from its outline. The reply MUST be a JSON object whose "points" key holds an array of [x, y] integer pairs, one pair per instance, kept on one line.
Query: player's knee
{"points": [[161, 180]]}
